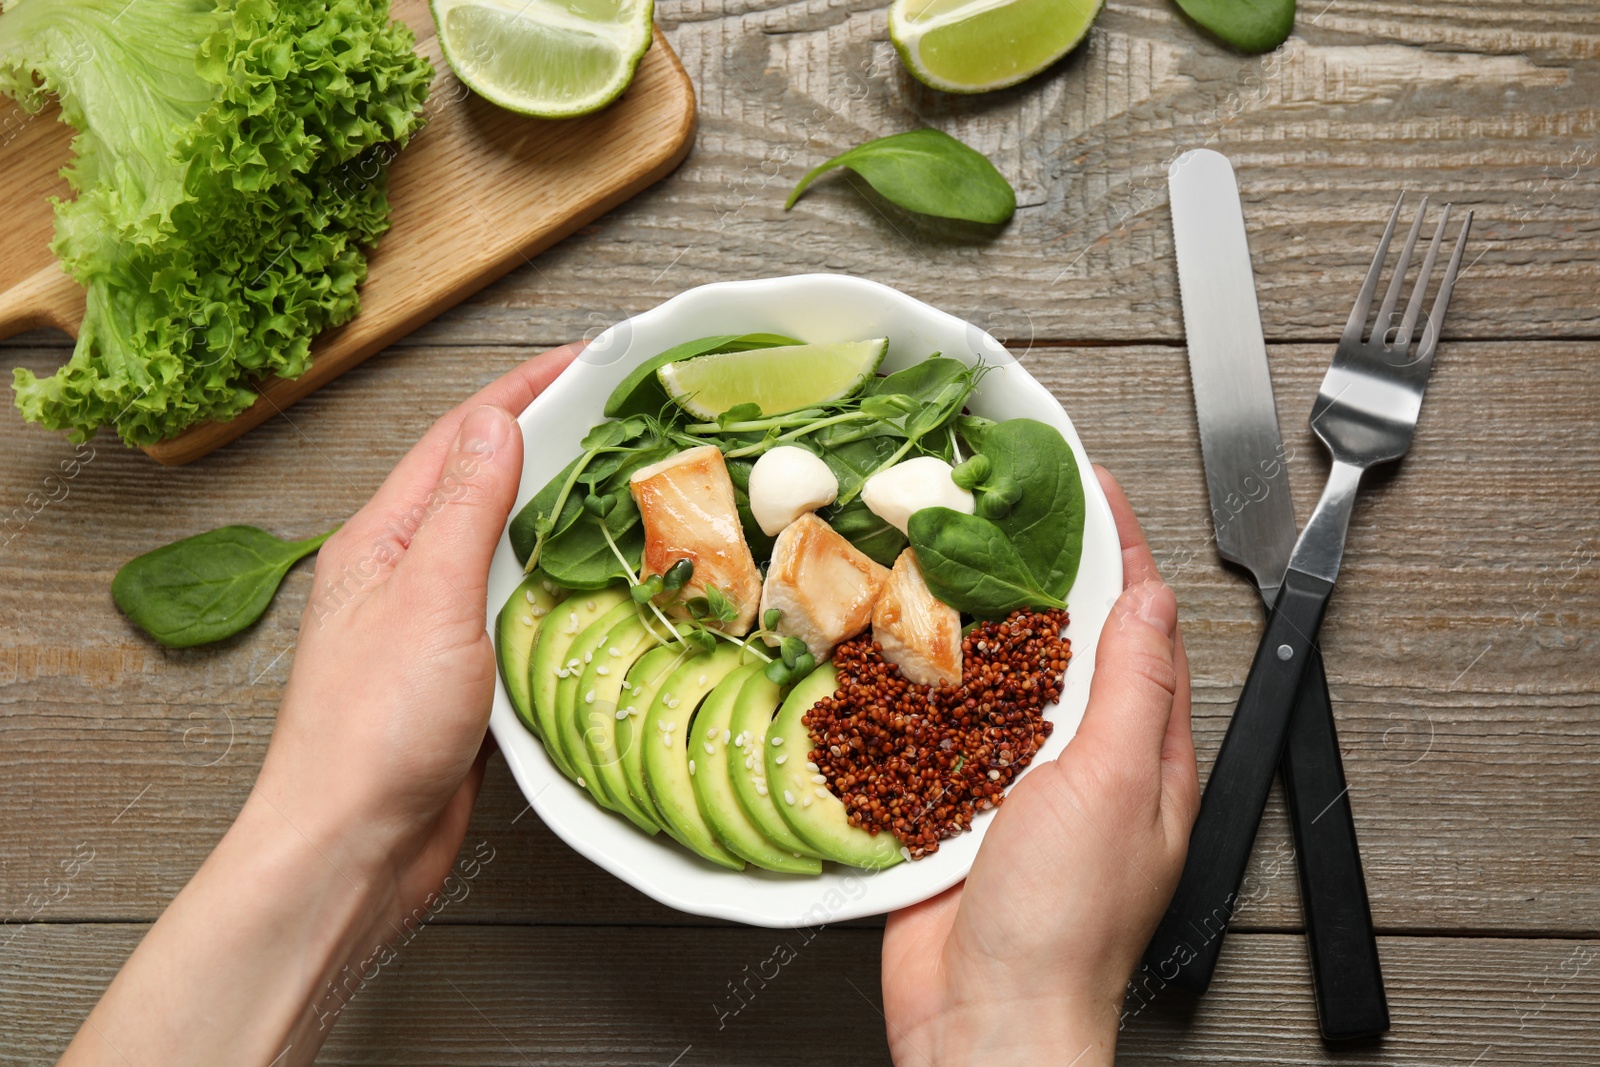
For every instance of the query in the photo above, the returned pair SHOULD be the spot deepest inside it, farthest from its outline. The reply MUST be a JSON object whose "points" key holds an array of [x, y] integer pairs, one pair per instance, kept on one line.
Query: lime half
{"points": [[775, 379], [550, 58], [972, 46]]}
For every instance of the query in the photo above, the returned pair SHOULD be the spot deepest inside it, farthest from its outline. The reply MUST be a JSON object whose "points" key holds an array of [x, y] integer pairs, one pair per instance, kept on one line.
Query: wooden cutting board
{"points": [[478, 191]]}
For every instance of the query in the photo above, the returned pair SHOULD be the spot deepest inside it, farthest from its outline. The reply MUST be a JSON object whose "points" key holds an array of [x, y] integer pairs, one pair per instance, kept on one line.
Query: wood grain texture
{"points": [[1465, 689], [651, 997], [479, 191]]}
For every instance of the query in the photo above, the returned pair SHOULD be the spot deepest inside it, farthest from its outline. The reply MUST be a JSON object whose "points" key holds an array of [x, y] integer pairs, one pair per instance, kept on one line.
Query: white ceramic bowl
{"points": [[816, 308]]}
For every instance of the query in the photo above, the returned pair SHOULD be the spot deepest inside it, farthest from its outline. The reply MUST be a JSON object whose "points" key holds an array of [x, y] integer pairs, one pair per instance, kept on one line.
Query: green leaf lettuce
{"points": [[229, 173]]}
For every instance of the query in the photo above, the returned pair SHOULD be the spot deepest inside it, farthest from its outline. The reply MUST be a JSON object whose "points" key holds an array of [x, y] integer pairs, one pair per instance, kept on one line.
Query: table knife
{"points": [[1253, 516]]}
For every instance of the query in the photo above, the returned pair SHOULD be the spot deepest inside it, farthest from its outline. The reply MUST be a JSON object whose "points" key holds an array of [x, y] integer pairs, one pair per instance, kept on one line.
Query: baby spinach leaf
{"points": [[926, 171], [1033, 471], [641, 394], [970, 564], [525, 524], [209, 586], [581, 558], [858, 525], [1248, 25], [920, 381], [852, 463]]}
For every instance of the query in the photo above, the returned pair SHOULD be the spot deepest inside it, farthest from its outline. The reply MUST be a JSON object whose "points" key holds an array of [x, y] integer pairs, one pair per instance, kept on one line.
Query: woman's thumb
{"points": [[467, 509]]}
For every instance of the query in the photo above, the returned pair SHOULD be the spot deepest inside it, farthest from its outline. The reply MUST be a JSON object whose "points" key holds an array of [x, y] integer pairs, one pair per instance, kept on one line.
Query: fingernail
{"points": [[485, 430], [1155, 604]]}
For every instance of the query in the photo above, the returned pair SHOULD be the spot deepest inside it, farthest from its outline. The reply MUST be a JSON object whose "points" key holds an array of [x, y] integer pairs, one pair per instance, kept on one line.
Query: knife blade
{"points": [[1253, 518]]}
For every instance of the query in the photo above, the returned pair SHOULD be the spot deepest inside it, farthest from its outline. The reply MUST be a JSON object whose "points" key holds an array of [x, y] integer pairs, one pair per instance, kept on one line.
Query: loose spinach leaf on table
{"points": [[1045, 524], [970, 564], [926, 171], [641, 394], [1248, 25], [209, 586]]}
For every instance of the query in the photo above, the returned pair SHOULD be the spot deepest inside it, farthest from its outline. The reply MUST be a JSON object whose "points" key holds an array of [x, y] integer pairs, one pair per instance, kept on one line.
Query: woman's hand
{"points": [[378, 752], [1026, 962], [375, 762]]}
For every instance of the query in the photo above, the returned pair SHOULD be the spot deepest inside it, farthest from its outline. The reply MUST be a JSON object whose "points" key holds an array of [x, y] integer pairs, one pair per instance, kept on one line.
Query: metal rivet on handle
{"points": [[1285, 652]]}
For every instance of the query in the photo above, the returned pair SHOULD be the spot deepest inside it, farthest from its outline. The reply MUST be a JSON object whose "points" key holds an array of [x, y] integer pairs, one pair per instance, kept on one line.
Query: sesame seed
{"points": [[602, 670], [529, 594], [711, 750], [526, 620], [761, 790], [672, 705], [788, 797], [778, 740], [582, 784], [573, 663], [589, 604], [702, 680], [614, 651], [588, 657], [781, 757], [563, 673], [622, 713], [711, 734], [749, 763], [588, 698], [812, 767], [666, 740], [820, 779], [539, 611], [805, 802], [823, 793], [691, 766]]}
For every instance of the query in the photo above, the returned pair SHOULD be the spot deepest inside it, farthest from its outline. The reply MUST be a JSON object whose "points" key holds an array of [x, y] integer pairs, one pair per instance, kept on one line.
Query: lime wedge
{"points": [[972, 46], [549, 58], [775, 379]]}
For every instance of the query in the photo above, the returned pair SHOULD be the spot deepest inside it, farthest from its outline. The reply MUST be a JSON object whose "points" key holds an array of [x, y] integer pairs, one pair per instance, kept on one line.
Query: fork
{"points": [[1365, 414]]}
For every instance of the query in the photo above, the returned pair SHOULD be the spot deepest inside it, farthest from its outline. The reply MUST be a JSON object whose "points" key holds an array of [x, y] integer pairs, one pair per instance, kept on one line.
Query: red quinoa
{"points": [[920, 761]]}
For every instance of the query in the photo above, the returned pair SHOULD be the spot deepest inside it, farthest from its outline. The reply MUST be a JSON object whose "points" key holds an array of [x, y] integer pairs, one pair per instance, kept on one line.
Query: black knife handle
{"points": [[1189, 937], [1333, 891]]}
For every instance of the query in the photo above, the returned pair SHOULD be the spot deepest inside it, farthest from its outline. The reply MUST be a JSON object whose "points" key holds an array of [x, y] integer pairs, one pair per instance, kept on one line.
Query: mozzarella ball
{"points": [[895, 494], [786, 483]]}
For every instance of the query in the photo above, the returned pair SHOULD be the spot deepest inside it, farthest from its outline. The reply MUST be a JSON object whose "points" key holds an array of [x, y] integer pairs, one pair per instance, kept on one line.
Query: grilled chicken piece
{"points": [[918, 633], [822, 583], [687, 506]]}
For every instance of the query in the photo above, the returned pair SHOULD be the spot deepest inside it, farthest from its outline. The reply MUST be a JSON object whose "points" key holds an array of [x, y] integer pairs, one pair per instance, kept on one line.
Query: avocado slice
{"points": [[709, 745], [747, 764], [665, 740], [812, 812], [550, 655], [640, 689], [589, 726], [580, 656], [515, 629]]}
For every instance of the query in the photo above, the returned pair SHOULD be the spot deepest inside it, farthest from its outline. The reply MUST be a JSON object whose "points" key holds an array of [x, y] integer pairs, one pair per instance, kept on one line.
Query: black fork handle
{"points": [[1333, 890], [1184, 950]]}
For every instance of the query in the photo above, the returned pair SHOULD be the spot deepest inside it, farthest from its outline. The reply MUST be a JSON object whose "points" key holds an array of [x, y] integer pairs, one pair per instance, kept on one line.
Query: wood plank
{"points": [[578, 995], [1494, 105], [1467, 688]]}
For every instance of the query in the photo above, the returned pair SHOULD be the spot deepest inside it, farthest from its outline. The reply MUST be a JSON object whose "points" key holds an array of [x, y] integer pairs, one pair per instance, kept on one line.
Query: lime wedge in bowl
{"points": [[546, 58], [775, 379], [973, 46]]}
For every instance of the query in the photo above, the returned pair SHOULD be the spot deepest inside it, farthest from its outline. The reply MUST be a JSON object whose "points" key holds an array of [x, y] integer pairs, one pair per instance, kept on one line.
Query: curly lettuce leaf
{"points": [[230, 177]]}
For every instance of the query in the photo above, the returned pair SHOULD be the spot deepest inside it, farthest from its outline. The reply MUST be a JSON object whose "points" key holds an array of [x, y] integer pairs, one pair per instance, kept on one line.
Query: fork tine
{"points": [[1358, 314], [1402, 340], [1380, 325], [1430, 334]]}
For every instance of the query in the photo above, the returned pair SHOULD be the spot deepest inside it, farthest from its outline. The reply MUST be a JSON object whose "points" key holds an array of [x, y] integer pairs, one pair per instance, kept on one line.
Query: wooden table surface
{"points": [[1463, 648]]}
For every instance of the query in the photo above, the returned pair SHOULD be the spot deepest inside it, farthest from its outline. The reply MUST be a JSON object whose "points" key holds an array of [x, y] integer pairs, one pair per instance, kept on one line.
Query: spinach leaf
{"points": [[209, 586], [739, 473], [1045, 521], [974, 429], [524, 530], [853, 463], [1248, 25], [641, 394], [920, 381], [970, 564], [582, 558], [926, 171], [858, 525]]}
